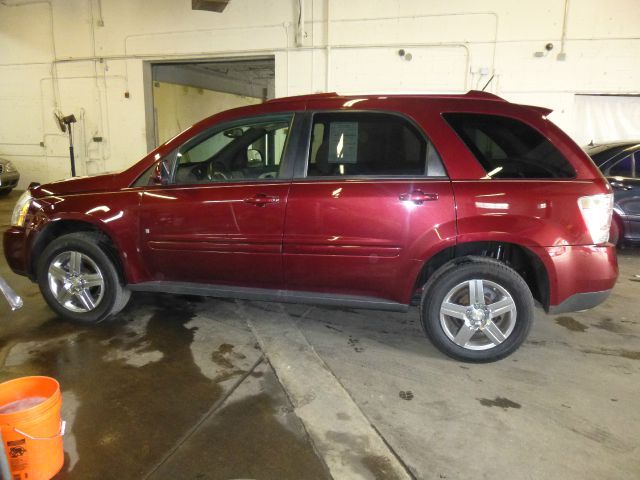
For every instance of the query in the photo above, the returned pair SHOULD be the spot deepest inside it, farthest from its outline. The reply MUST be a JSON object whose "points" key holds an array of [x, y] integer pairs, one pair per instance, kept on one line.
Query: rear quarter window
{"points": [[508, 148]]}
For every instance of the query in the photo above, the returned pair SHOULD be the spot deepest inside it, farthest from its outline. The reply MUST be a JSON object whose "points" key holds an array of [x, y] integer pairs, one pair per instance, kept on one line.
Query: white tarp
{"points": [[602, 118]]}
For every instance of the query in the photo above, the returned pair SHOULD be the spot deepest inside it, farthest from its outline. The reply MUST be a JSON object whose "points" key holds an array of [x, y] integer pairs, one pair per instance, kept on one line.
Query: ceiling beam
{"points": [[183, 75]]}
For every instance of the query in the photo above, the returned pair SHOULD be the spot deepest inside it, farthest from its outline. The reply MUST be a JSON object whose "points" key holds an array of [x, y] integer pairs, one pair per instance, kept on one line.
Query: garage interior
{"points": [[186, 92], [193, 387]]}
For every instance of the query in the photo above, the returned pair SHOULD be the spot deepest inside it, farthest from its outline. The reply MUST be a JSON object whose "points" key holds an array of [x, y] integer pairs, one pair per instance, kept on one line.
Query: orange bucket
{"points": [[32, 436]]}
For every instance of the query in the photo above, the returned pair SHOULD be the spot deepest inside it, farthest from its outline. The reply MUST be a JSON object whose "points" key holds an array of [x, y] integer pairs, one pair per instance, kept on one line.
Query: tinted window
{"points": [[240, 151], [368, 144], [508, 148], [622, 168]]}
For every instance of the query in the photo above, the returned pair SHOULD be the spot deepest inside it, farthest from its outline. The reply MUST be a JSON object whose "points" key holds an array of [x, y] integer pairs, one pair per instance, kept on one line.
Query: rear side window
{"points": [[369, 144], [509, 148]]}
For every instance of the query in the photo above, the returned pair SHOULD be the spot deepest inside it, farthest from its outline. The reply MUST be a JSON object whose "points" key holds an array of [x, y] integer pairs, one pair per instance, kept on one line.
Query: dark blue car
{"points": [[620, 163]]}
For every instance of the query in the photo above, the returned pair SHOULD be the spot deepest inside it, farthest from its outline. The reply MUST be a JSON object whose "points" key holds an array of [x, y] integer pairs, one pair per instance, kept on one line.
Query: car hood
{"points": [[77, 185]]}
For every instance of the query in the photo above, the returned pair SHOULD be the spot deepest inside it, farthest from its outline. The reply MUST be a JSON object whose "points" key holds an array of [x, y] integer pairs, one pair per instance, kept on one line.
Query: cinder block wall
{"points": [[86, 57]]}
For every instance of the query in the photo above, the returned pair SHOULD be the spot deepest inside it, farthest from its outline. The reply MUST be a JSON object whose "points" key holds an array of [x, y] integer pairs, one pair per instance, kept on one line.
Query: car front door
{"points": [[370, 202], [220, 217]]}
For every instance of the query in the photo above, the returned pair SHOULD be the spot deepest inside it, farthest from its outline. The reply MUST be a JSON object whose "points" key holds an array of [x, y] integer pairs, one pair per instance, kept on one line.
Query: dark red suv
{"points": [[471, 207]]}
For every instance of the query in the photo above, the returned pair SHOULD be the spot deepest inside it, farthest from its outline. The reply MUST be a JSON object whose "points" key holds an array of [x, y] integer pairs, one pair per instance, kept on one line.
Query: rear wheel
{"points": [[477, 310], [79, 280]]}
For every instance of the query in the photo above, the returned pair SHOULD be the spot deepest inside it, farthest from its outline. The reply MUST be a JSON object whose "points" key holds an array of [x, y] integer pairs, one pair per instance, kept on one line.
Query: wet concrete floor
{"points": [[132, 389], [563, 406]]}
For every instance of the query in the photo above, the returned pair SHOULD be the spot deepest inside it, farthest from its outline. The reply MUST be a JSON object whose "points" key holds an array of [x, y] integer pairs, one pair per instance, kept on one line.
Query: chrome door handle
{"points": [[260, 200], [418, 196]]}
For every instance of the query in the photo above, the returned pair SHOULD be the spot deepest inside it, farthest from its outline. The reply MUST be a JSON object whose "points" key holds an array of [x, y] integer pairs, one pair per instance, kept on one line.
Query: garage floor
{"points": [[195, 388]]}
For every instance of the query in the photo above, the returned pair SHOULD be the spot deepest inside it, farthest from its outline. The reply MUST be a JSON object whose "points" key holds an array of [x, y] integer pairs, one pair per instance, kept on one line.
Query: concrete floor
{"points": [[194, 388]]}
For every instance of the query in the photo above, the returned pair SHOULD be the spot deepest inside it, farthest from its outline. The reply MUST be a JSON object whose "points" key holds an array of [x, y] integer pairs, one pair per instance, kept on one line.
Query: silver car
{"points": [[9, 176]]}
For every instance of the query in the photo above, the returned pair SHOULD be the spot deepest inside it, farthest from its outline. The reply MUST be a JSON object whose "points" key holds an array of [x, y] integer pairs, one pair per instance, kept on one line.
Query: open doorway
{"points": [[182, 93]]}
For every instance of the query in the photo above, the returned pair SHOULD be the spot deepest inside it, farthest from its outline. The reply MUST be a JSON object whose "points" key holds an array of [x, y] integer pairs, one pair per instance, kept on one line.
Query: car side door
{"points": [[218, 216], [369, 200]]}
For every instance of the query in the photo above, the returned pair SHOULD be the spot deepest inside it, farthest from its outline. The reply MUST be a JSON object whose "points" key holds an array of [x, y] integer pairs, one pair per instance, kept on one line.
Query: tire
{"points": [[476, 333], [4, 193], [124, 301], [79, 279]]}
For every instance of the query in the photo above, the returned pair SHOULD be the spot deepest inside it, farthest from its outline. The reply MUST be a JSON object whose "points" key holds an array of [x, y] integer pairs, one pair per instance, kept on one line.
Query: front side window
{"points": [[368, 144], [240, 151], [157, 174], [509, 148]]}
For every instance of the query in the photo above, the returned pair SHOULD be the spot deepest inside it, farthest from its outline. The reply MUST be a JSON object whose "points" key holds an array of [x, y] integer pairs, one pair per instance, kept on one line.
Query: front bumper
{"points": [[15, 250]]}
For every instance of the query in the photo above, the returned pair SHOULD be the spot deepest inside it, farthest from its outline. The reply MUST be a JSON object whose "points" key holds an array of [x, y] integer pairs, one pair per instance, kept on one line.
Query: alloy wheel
{"points": [[76, 282], [478, 314]]}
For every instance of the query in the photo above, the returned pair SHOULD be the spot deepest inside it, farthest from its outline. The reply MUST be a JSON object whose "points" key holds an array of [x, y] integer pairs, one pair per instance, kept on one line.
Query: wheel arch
{"points": [[525, 262], [56, 228]]}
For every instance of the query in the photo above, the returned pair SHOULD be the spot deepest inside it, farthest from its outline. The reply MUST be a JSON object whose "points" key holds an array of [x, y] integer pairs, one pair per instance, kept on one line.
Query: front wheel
{"points": [[478, 310], [79, 280]]}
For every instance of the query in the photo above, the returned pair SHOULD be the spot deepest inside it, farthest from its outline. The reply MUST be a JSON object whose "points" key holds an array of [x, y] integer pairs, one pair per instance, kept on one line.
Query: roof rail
{"points": [[483, 95], [312, 96]]}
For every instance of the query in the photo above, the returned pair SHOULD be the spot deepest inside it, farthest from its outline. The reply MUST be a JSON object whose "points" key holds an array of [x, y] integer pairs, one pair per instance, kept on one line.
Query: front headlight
{"points": [[9, 167], [20, 210]]}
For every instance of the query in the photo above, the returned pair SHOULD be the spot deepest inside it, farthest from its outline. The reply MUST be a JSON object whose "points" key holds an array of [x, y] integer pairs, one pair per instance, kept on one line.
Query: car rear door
{"points": [[220, 218], [369, 202]]}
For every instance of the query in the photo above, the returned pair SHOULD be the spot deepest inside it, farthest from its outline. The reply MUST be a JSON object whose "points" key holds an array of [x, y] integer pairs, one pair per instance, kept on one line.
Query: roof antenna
{"points": [[487, 84]]}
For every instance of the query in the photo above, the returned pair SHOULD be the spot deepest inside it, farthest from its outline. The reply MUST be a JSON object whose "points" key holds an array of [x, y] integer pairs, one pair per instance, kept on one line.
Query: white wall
{"points": [[95, 50]]}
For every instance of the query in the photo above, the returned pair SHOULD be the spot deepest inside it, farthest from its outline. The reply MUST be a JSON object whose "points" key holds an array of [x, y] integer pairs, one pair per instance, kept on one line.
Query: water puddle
{"points": [[501, 402], [571, 323]]}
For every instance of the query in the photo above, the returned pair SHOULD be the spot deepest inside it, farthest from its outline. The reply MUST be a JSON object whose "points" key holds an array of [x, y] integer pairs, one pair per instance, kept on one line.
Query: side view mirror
{"points": [[158, 177]]}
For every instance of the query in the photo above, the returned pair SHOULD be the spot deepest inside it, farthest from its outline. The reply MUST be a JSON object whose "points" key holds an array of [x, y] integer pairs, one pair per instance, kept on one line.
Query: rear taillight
{"points": [[596, 211]]}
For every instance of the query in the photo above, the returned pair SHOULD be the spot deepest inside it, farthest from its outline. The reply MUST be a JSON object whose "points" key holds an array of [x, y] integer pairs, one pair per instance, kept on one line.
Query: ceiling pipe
{"points": [[562, 56], [328, 48], [20, 3], [300, 32]]}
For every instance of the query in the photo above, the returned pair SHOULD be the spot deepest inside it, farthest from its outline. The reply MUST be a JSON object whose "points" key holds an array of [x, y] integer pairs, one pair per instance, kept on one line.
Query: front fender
{"points": [[119, 221]]}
